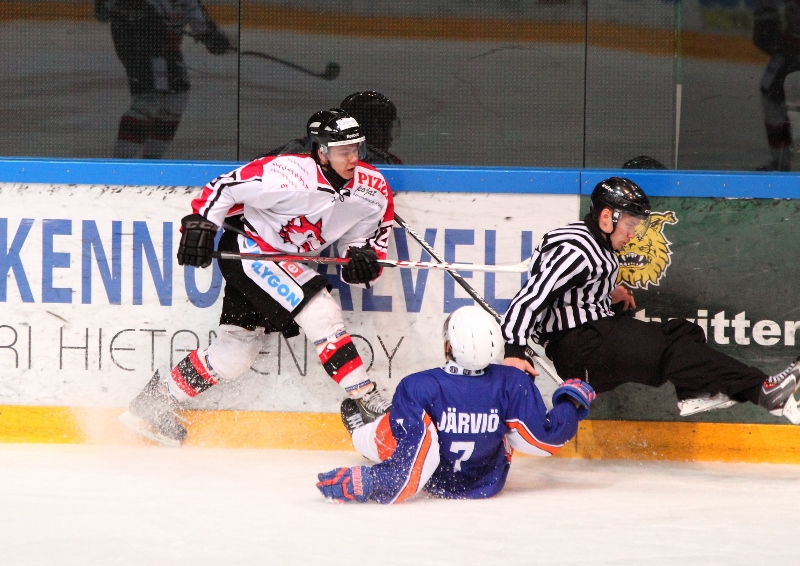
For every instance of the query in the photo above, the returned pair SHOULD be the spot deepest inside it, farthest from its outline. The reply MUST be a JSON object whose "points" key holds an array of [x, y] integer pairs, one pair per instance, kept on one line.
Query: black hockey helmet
{"points": [[376, 114], [622, 196], [334, 127], [369, 105], [643, 162]]}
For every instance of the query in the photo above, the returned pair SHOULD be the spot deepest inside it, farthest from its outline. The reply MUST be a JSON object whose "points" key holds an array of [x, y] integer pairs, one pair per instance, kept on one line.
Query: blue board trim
{"points": [[481, 179], [415, 178], [718, 184]]}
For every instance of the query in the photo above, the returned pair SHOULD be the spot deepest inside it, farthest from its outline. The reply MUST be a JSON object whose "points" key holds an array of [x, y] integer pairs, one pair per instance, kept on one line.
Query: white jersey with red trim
{"points": [[289, 206]]}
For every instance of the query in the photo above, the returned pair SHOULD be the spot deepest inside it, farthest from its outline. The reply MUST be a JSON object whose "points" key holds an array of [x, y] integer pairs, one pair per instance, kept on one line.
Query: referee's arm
{"points": [[550, 278]]}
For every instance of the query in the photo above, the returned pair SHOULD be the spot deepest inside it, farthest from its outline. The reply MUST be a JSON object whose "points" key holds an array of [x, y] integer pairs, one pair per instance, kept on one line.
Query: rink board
{"points": [[95, 302], [77, 333], [636, 440]]}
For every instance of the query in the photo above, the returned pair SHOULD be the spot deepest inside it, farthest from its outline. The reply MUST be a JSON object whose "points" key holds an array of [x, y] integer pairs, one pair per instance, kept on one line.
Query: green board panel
{"points": [[731, 265]]}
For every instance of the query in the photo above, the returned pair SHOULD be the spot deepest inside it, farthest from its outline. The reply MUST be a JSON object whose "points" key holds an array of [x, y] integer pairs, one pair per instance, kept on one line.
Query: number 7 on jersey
{"points": [[466, 447]]}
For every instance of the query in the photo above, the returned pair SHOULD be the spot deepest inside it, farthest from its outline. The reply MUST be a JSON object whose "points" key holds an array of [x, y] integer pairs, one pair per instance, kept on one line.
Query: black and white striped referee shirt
{"points": [[572, 273]]}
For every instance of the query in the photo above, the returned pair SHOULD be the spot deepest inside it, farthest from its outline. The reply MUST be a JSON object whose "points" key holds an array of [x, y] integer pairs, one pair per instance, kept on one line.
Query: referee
{"points": [[566, 306]]}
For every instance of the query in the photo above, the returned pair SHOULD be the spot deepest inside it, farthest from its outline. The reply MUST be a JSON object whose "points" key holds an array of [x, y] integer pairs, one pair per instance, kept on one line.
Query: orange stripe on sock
{"points": [[416, 470]]}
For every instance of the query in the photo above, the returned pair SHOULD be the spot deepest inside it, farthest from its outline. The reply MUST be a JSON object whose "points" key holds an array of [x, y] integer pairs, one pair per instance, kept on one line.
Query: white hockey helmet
{"points": [[475, 338]]}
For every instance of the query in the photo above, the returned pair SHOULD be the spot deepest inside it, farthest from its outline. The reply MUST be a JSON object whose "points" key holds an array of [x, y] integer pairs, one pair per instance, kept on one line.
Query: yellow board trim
{"points": [[639, 39], [681, 441], [634, 440]]}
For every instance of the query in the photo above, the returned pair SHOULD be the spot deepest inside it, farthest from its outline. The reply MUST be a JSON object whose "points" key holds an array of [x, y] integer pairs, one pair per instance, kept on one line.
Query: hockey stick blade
{"points": [[331, 71], [517, 268], [538, 356]]}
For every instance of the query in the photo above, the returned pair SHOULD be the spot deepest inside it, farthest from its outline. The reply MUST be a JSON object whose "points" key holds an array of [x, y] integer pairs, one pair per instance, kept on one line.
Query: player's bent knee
{"points": [[321, 317], [234, 350], [145, 105], [364, 440], [322, 321]]}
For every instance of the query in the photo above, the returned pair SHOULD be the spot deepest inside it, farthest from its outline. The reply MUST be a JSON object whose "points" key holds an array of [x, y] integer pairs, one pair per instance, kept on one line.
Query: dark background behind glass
{"points": [[541, 83]]}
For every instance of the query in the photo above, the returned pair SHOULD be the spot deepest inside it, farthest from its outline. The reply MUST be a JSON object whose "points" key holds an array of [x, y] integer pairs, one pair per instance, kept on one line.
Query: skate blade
{"points": [[143, 428], [694, 406], [790, 411]]}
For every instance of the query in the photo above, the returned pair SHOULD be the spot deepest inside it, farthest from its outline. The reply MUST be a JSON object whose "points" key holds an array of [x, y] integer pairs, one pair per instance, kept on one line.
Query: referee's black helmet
{"points": [[618, 193], [621, 196]]}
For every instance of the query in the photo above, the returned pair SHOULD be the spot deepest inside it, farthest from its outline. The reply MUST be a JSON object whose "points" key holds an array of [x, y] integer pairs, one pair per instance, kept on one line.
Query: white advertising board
{"points": [[93, 300]]}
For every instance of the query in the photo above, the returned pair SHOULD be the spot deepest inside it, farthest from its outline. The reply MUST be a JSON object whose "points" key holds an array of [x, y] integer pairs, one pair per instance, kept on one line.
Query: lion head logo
{"points": [[305, 235], [645, 261]]}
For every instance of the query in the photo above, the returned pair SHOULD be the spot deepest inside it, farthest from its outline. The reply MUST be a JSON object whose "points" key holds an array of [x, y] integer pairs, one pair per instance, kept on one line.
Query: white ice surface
{"points": [[80, 504]]}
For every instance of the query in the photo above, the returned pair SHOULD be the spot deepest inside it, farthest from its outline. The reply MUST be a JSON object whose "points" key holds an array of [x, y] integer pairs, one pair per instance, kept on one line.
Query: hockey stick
{"points": [[331, 69], [538, 357], [453, 273], [517, 268]]}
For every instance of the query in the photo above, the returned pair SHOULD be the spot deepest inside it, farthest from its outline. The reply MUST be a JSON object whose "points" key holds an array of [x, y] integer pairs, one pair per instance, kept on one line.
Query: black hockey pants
{"points": [[622, 349]]}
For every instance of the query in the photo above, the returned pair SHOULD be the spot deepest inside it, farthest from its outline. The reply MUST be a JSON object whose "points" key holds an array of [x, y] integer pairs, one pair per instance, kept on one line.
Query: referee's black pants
{"points": [[622, 349]]}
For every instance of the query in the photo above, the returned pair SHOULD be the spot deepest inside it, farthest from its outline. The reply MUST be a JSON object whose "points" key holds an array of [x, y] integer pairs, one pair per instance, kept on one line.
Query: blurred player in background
{"points": [[147, 37], [290, 204], [452, 430], [566, 306], [782, 43], [643, 162], [377, 116]]}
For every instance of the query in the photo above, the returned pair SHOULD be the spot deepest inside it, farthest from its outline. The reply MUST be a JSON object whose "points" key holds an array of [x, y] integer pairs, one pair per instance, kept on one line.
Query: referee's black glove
{"points": [[363, 266], [197, 241]]}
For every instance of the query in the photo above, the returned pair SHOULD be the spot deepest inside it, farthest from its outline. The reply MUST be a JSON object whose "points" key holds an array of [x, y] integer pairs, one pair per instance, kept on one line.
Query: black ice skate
{"points": [[777, 393], [152, 414], [372, 405], [351, 415]]}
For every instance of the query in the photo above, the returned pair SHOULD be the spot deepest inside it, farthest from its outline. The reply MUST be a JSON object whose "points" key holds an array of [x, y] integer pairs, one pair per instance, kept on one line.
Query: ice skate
{"points": [[775, 166], [351, 415], [777, 393], [152, 414], [372, 405], [705, 402]]}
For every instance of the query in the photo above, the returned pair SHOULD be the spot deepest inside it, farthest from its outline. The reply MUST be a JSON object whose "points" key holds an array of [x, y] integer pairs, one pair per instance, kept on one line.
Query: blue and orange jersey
{"points": [[452, 432]]}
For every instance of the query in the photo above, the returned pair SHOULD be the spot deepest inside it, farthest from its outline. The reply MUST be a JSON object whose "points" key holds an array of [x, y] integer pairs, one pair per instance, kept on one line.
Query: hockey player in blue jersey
{"points": [[452, 430]]}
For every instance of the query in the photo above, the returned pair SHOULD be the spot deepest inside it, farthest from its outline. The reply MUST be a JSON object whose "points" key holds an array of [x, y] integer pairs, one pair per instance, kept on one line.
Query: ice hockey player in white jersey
{"points": [[452, 430], [290, 204]]}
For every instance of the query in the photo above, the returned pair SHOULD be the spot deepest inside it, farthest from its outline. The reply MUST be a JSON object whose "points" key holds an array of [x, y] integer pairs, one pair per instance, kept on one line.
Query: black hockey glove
{"points": [[216, 42], [197, 241], [363, 265]]}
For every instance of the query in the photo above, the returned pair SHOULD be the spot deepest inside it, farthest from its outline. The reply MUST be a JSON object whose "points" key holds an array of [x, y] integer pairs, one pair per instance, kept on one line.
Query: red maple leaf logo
{"points": [[305, 235]]}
